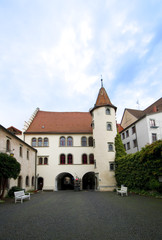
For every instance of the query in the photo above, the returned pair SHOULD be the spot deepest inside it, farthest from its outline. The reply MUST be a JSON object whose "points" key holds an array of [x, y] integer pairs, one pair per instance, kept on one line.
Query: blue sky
{"points": [[53, 52]]}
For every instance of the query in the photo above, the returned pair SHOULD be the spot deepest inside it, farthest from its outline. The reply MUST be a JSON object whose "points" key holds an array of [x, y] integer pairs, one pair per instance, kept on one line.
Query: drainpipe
{"points": [[35, 185]]}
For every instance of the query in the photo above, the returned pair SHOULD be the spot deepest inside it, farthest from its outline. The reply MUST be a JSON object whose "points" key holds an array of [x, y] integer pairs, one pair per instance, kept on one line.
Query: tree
{"points": [[119, 147], [9, 168]]}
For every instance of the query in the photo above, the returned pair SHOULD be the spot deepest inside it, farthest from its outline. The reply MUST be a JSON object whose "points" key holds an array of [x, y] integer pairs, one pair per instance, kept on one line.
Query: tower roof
{"points": [[103, 99]]}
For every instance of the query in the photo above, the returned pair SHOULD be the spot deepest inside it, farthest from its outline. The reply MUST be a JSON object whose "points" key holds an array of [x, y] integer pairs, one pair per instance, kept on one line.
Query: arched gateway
{"points": [[65, 181], [88, 181]]}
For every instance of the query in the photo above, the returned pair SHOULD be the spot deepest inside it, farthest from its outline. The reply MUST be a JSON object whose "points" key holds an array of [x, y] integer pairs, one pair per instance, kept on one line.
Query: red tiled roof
{"points": [[14, 130], [61, 122], [119, 127]]}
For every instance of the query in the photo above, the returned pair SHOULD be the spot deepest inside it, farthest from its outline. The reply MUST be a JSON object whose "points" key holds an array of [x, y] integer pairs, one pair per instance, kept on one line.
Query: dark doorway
{"points": [[65, 181], [89, 181], [40, 183]]}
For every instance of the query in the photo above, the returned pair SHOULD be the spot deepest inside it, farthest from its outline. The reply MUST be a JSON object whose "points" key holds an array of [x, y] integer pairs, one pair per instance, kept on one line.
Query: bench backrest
{"points": [[124, 188], [19, 193]]}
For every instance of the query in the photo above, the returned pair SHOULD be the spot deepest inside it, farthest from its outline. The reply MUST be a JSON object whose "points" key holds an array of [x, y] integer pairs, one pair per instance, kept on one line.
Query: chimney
{"points": [[154, 109]]}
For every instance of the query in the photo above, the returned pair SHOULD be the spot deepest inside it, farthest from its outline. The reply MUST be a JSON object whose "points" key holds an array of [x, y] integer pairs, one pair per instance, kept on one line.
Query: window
{"points": [[8, 145], [45, 142], [91, 159], [124, 146], [84, 159], [94, 143], [123, 135], [70, 159], [27, 181], [62, 141], [154, 137], [32, 181], [112, 166], [128, 145], [152, 123], [27, 154], [133, 129], [84, 141], [20, 151], [39, 142], [92, 124], [110, 147], [135, 143], [34, 142], [127, 133], [90, 141], [40, 161], [107, 111], [109, 126], [45, 161], [62, 159], [69, 142]]}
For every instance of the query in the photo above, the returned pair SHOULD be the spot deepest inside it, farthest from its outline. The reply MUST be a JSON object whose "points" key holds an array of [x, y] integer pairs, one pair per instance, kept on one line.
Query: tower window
{"points": [[34, 142], [62, 141], [69, 142], [109, 126], [45, 142], [110, 147], [39, 142], [108, 111]]}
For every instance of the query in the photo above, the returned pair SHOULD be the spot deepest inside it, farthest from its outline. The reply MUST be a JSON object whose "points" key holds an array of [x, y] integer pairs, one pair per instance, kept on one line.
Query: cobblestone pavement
{"points": [[69, 215]]}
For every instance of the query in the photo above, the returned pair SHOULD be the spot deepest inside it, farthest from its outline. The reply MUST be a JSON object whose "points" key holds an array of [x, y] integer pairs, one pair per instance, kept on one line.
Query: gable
{"points": [[128, 119]]}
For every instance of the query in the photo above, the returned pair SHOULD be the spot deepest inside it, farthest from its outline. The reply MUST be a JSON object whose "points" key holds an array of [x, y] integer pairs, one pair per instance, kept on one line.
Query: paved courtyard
{"points": [[73, 215]]}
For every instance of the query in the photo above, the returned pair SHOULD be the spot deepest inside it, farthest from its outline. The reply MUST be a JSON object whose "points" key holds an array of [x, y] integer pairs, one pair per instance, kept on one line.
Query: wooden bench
{"points": [[20, 196], [123, 190]]}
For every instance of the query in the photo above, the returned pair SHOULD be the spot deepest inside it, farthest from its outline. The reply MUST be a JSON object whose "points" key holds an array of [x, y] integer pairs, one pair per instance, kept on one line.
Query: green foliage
{"points": [[119, 147], [141, 170], [12, 190], [9, 167]]}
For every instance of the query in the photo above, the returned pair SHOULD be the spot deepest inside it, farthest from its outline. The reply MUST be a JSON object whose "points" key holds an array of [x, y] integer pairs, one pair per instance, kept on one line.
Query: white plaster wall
{"points": [[53, 151], [27, 165], [101, 154]]}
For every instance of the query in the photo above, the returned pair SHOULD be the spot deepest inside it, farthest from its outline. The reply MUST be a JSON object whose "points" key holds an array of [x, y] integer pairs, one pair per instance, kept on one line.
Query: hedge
{"points": [[142, 169]]}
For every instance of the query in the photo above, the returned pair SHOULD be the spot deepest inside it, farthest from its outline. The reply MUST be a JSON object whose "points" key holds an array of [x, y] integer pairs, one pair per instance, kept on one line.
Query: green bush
{"points": [[12, 190], [141, 170]]}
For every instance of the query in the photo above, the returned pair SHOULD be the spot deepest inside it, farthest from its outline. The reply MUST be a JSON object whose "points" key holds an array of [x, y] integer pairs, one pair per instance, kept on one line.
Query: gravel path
{"points": [[69, 215]]}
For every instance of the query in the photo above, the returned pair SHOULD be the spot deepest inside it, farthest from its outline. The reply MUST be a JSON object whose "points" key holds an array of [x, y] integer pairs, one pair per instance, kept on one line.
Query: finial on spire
{"points": [[101, 81]]}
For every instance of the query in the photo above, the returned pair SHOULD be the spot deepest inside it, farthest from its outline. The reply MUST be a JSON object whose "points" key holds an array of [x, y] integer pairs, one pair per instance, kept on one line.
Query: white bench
{"points": [[123, 190], [20, 196]]}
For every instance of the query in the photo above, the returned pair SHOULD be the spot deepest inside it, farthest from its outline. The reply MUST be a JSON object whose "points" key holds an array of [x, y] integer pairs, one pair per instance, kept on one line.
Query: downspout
{"points": [[35, 185]]}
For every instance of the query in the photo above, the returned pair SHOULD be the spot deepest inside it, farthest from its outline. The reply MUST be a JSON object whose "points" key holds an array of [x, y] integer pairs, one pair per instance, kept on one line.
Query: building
{"points": [[74, 145], [139, 128], [24, 154]]}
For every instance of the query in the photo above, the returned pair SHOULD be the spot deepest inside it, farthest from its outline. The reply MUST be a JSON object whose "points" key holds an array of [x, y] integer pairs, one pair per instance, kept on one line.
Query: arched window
{"points": [[109, 126], [19, 182], [39, 142], [62, 141], [8, 145], [70, 159], [62, 159], [91, 158], [110, 147], [34, 141], [27, 181], [107, 111], [69, 141], [90, 141], [40, 161], [84, 159], [20, 151], [45, 160], [45, 142], [32, 181], [84, 141]]}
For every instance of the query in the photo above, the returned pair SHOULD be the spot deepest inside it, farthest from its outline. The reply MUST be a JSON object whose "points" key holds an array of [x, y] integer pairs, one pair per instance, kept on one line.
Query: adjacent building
{"points": [[26, 155], [139, 128]]}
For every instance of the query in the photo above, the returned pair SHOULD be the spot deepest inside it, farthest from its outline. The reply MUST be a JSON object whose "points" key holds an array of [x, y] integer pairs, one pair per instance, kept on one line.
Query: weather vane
{"points": [[101, 81]]}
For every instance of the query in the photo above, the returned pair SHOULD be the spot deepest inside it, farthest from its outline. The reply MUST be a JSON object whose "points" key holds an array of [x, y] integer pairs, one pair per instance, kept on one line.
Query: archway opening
{"points": [[65, 181], [40, 183], [89, 181]]}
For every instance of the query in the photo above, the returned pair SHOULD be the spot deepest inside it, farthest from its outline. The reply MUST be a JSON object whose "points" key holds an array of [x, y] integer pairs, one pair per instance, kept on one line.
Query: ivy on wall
{"points": [[141, 170]]}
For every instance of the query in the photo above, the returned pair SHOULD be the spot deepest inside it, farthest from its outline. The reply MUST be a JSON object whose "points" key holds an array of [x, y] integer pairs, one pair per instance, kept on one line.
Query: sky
{"points": [[53, 53]]}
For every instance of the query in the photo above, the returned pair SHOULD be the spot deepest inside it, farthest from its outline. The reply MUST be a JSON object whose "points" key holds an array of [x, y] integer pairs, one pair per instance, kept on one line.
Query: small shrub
{"points": [[12, 190]]}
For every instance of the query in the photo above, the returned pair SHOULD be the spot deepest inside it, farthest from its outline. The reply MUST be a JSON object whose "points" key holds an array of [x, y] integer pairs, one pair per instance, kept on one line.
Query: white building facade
{"points": [[144, 127], [24, 154], [75, 146]]}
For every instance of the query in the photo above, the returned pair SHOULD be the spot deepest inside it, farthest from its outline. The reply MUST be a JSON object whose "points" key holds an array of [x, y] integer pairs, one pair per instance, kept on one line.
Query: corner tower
{"points": [[104, 132]]}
